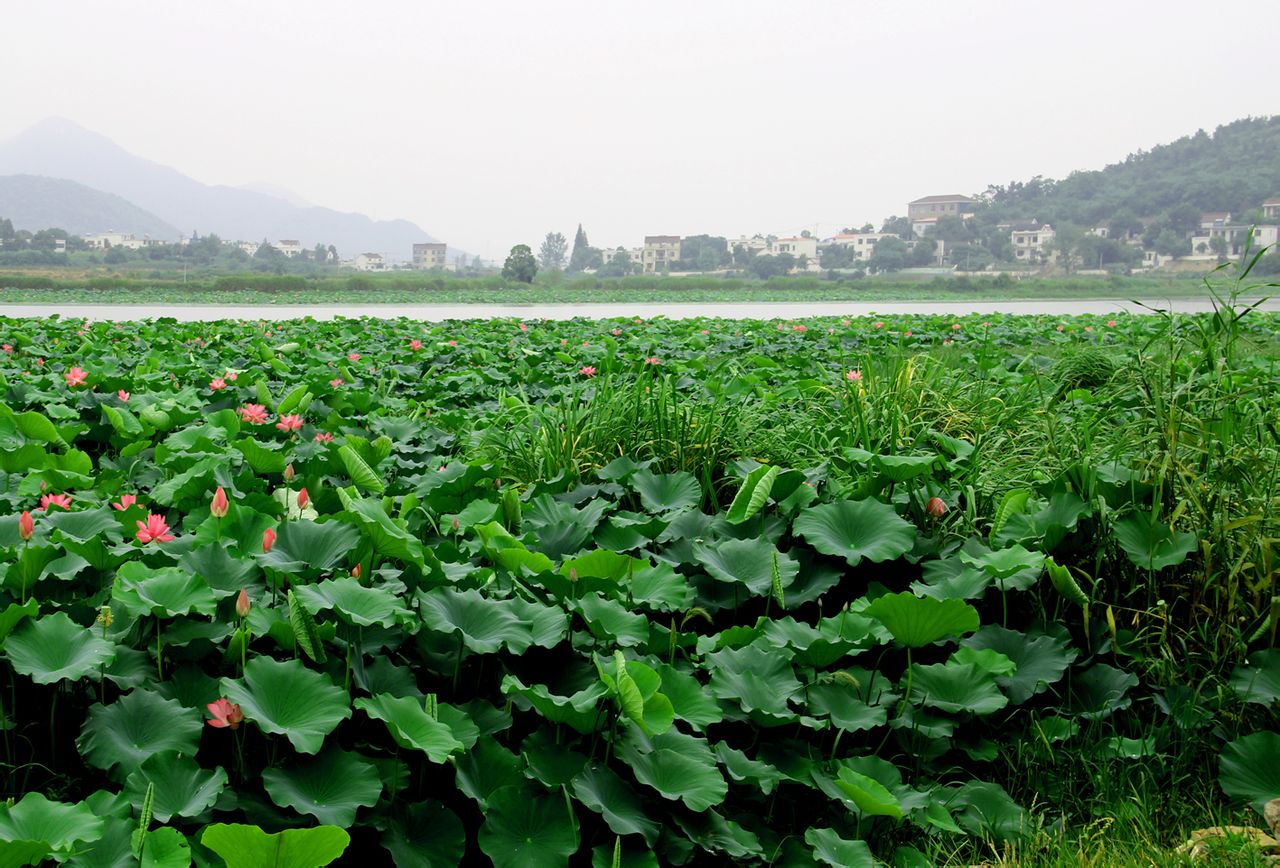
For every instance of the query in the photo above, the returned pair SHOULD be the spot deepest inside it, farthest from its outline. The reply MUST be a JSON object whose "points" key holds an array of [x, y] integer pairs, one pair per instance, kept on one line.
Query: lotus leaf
{"points": [[54, 648], [331, 787], [856, 530], [289, 699]]}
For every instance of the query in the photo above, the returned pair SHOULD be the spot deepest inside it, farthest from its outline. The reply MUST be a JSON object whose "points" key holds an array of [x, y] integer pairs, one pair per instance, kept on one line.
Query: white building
{"points": [[369, 262], [430, 256], [659, 252], [863, 244], [1031, 243], [249, 247], [107, 240], [1271, 208], [288, 246], [797, 246]]}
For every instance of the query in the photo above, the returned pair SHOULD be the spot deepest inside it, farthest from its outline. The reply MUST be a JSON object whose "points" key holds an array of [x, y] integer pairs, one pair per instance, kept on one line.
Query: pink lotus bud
{"points": [[218, 508], [242, 604], [303, 499], [288, 473], [26, 525], [455, 524], [268, 540], [355, 571], [935, 507]]}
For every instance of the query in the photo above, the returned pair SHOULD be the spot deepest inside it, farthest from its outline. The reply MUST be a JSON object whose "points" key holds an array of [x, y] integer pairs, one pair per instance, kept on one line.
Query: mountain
{"points": [[1233, 169], [34, 202], [59, 148]]}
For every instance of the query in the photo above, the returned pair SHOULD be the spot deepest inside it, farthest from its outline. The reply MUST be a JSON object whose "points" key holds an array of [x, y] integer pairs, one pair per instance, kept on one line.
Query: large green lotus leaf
{"points": [[54, 648], [482, 623], [526, 829], [487, 768], [603, 564], [165, 847], [636, 687], [86, 525], [388, 538], [1005, 563], [746, 562], [223, 572], [578, 710], [1152, 544], [549, 763], [612, 621], [287, 698], [678, 766], [545, 626], [411, 726], [1259, 681], [840, 702], [14, 614], [661, 588], [919, 621], [1249, 769], [856, 530], [741, 767], [353, 602], [428, 835], [951, 579], [989, 812], [872, 797], [667, 492], [1041, 659], [901, 468], [165, 593], [689, 700], [35, 826], [602, 791], [1101, 690], [136, 726], [307, 544], [242, 524], [243, 846], [182, 787], [712, 832], [831, 849], [753, 494], [331, 787], [956, 687], [756, 678]]}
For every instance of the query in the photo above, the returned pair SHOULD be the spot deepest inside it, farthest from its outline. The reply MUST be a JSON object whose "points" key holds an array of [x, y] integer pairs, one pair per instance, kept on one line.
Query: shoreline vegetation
{"points": [[442, 289]]}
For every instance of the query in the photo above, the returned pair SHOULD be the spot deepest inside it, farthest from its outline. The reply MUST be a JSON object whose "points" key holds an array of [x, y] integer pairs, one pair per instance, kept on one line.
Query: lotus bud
{"points": [[935, 507], [455, 524], [355, 571], [242, 604], [26, 526], [288, 473], [268, 540], [303, 499], [218, 508], [573, 574]]}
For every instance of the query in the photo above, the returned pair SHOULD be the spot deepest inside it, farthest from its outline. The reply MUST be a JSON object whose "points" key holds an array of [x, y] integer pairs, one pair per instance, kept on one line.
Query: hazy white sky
{"points": [[492, 123]]}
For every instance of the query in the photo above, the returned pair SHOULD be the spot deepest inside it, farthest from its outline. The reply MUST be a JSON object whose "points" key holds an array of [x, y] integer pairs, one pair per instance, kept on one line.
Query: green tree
{"points": [[615, 264], [900, 226], [1218, 244], [890, 254], [580, 258], [552, 253], [1170, 243], [1066, 240], [766, 266], [520, 265]]}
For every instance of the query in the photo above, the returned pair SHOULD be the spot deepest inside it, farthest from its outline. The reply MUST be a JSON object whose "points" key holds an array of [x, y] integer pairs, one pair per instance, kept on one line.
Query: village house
{"points": [[288, 246], [249, 247], [430, 256], [107, 240], [369, 262], [758, 244], [1031, 242], [659, 252], [1271, 208], [862, 244], [939, 206], [797, 246]]}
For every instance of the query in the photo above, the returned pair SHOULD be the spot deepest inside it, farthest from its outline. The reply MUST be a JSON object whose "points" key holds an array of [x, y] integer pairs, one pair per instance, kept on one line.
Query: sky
{"points": [[491, 124]]}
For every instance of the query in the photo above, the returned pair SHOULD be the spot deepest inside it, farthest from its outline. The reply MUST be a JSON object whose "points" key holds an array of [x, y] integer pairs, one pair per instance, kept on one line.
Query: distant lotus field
{"points": [[842, 592]]}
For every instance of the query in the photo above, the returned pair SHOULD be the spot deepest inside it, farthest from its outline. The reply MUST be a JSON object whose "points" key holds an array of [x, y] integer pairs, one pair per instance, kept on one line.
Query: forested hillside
{"points": [[1233, 169]]}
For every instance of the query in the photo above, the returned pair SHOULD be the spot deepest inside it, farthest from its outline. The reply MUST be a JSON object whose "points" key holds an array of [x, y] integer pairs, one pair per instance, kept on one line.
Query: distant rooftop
{"points": [[937, 200]]}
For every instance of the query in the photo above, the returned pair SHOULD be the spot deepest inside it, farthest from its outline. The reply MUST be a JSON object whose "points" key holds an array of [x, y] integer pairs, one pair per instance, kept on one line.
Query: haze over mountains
{"points": [[161, 201]]}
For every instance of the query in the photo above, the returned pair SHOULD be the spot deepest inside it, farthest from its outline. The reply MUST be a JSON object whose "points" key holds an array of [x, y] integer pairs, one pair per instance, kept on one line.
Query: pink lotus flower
{"points": [[353, 357], [40, 361], [935, 508], [76, 377], [706, 331], [217, 383], [523, 327], [292, 422], [303, 498], [946, 342], [324, 437], [877, 325], [8, 349], [268, 540], [452, 343], [616, 332], [844, 322], [62, 500], [231, 376], [955, 326], [218, 506], [800, 328], [906, 334], [587, 371], [123, 395], [652, 360], [255, 414], [126, 501], [156, 529], [415, 344], [854, 376], [226, 714], [26, 526], [564, 342], [1111, 323], [336, 382], [242, 604], [1060, 328]]}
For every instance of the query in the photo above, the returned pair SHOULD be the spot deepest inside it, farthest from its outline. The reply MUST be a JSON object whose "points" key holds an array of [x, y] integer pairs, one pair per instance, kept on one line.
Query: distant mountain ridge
{"points": [[34, 202], [61, 149]]}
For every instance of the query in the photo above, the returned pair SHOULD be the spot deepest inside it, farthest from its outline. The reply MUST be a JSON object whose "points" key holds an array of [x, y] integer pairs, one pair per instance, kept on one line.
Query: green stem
{"points": [[159, 650]]}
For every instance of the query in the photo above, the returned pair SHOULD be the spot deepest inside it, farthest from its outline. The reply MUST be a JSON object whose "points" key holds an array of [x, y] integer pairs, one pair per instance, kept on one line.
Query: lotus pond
{"points": [[833, 592]]}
